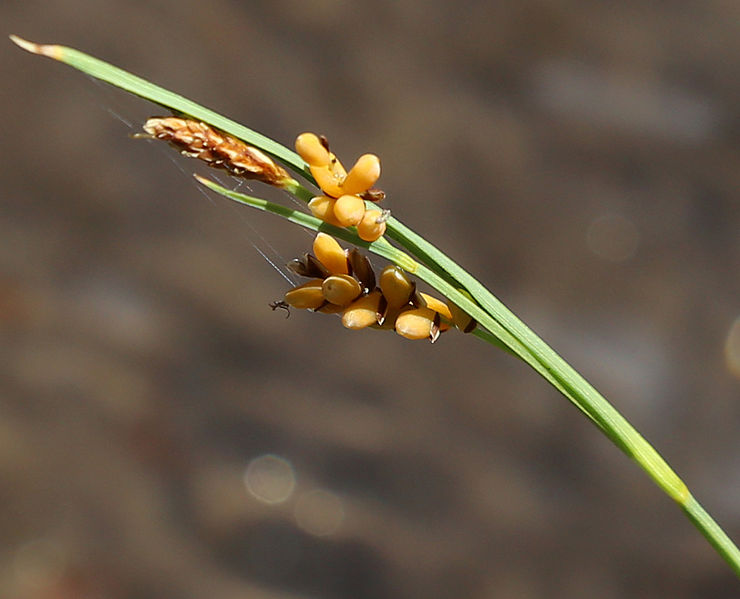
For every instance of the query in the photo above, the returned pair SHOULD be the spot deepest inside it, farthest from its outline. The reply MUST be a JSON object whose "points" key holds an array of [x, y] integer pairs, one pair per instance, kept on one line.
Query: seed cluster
{"points": [[344, 282], [341, 281], [343, 202], [199, 140]]}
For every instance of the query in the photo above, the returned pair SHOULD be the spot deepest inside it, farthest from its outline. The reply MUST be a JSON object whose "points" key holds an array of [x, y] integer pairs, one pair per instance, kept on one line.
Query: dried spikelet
{"points": [[199, 140]]}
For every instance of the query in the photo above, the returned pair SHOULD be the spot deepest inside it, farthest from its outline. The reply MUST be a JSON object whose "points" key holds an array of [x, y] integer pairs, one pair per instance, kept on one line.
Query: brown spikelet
{"points": [[199, 140]]}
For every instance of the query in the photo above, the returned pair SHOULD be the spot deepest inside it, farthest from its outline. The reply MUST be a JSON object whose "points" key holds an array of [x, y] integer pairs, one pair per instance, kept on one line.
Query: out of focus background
{"points": [[164, 434]]}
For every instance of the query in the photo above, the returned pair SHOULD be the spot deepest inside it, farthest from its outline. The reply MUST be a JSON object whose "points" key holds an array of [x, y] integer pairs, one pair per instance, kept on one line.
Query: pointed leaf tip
{"points": [[205, 181], [25, 44], [43, 49]]}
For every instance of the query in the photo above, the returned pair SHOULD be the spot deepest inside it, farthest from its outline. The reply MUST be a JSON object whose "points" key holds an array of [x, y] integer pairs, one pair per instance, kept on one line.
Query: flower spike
{"points": [[343, 282], [199, 140], [345, 193]]}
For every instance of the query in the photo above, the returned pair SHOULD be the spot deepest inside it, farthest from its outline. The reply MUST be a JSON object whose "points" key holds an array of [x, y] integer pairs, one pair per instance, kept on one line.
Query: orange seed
{"points": [[416, 324], [437, 305], [396, 286], [330, 254], [323, 207], [349, 210], [369, 229], [330, 178], [363, 175], [462, 319], [340, 289], [308, 296], [310, 148], [363, 312]]}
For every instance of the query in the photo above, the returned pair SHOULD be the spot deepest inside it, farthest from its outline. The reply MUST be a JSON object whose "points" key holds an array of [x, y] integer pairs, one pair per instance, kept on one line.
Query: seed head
{"points": [[344, 283], [344, 193], [199, 140]]}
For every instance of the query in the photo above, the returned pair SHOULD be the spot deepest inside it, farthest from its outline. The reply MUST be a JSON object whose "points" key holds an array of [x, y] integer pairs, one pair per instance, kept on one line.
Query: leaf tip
{"points": [[202, 180], [43, 49]]}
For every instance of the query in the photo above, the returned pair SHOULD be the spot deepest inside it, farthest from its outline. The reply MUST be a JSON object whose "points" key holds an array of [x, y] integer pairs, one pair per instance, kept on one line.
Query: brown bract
{"points": [[199, 140]]}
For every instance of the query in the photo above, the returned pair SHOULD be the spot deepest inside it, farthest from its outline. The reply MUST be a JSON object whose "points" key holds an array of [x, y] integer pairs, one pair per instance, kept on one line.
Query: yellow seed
{"points": [[323, 207], [349, 210], [329, 308], [363, 175], [310, 148], [436, 304], [416, 324], [308, 296], [340, 289], [330, 254], [363, 312], [330, 178], [462, 319], [369, 229], [396, 287]]}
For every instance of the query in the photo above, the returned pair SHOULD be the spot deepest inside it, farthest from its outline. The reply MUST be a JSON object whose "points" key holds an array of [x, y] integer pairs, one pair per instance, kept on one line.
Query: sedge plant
{"points": [[402, 247]]}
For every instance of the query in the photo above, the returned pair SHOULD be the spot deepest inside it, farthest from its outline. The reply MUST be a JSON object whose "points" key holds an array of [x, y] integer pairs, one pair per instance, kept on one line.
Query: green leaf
{"points": [[170, 100]]}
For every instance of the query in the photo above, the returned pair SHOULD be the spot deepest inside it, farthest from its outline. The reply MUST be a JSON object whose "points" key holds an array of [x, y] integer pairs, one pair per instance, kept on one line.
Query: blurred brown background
{"points": [[163, 434]]}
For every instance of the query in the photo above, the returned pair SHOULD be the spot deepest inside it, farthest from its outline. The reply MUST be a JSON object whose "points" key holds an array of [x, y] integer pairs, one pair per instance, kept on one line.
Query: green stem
{"points": [[713, 533], [572, 384]]}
